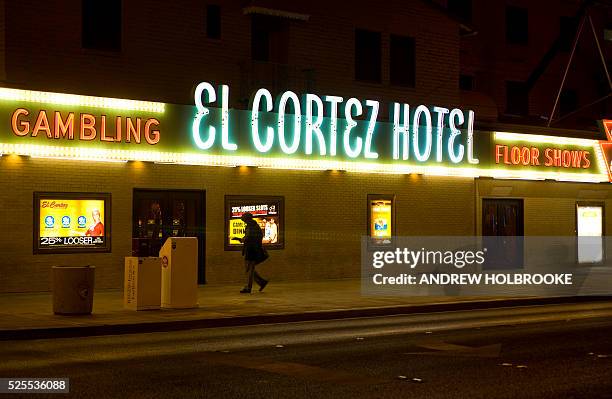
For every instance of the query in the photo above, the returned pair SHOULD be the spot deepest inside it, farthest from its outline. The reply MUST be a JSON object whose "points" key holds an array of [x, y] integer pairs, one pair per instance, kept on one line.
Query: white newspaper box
{"points": [[142, 283], [179, 287]]}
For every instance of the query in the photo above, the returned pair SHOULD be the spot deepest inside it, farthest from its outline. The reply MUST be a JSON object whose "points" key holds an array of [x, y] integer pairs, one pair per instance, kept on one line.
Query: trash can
{"points": [[73, 289]]}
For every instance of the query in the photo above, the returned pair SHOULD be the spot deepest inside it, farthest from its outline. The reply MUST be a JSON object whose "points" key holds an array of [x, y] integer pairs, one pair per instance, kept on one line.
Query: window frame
{"points": [[363, 79], [109, 50], [207, 22], [411, 83], [512, 37]]}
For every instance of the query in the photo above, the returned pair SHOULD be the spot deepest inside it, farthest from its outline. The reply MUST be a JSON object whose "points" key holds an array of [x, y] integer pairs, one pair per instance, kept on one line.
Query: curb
{"points": [[178, 325]]}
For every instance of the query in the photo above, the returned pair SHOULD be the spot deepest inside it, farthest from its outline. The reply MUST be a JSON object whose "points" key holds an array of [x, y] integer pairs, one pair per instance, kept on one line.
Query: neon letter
{"points": [[118, 128], [371, 126], [42, 123], [61, 128], [254, 118], [88, 122], [421, 109], [350, 124], [314, 126], [103, 130], [132, 131], [333, 123], [25, 125], [455, 113], [403, 129], [297, 127], [440, 129], [225, 143], [202, 112], [470, 139], [151, 136]]}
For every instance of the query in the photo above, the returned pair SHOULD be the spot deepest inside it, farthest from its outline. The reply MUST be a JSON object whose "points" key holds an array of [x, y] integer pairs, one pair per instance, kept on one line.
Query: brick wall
{"points": [[549, 207], [166, 52], [492, 61], [325, 215]]}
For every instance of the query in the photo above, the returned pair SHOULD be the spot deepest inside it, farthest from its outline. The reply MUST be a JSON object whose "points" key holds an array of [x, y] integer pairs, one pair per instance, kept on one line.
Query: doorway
{"points": [[503, 218], [159, 214]]}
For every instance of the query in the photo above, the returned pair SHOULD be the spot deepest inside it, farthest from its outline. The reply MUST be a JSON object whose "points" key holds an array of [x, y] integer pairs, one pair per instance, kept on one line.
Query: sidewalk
{"points": [[24, 316]]}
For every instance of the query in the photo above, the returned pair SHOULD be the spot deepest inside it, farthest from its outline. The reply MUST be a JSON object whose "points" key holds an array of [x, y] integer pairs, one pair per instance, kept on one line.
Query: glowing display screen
{"points": [[266, 211], [67, 222], [381, 219], [589, 227]]}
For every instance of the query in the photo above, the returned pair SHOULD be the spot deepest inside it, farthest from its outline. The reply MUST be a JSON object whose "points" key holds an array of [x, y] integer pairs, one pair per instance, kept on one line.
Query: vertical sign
{"points": [[381, 219], [589, 228]]}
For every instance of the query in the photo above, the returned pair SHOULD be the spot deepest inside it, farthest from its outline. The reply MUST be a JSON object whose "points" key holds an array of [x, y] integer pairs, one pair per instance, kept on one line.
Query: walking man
{"points": [[253, 253]]}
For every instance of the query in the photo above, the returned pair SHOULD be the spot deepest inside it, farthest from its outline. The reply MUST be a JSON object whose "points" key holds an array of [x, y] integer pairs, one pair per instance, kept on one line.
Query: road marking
{"points": [[440, 348]]}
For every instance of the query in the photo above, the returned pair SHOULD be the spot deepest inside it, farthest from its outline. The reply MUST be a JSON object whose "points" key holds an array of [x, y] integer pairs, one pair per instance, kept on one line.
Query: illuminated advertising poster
{"points": [[589, 227], [267, 212], [381, 223], [71, 222]]}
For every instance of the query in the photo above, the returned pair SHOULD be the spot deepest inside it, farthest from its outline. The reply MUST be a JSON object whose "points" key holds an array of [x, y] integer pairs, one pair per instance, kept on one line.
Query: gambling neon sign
{"points": [[308, 132]]}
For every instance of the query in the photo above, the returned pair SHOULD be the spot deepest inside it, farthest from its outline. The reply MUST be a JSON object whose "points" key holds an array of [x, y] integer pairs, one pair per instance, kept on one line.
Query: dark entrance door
{"points": [[503, 218], [159, 214]]}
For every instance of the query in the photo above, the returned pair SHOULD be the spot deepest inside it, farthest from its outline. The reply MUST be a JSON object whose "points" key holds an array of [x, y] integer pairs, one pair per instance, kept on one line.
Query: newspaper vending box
{"points": [[142, 283], [179, 259]]}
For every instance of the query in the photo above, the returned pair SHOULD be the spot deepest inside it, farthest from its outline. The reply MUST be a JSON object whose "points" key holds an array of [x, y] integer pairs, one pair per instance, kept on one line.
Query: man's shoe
{"points": [[245, 291], [261, 287]]}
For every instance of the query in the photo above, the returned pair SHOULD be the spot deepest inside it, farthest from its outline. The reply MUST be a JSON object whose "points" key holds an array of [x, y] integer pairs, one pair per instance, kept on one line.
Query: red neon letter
{"points": [[88, 122], [535, 156], [61, 128], [118, 128], [567, 158], [42, 123], [151, 136], [525, 154], [587, 161], [515, 155], [25, 125], [103, 130], [549, 160], [131, 131], [498, 153]]}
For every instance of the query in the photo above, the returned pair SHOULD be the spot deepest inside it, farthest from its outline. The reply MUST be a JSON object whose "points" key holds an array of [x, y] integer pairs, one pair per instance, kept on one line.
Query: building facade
{"points": [[513, 61], [157, 54]]}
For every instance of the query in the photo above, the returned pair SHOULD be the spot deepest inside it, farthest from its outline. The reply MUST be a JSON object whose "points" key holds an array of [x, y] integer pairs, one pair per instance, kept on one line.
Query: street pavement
{"points": [[554, 351], [30, 315]]}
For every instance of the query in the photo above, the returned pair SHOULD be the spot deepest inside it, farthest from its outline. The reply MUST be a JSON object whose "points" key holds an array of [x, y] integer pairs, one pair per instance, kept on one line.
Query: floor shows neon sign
{"points": [[304, 133]]}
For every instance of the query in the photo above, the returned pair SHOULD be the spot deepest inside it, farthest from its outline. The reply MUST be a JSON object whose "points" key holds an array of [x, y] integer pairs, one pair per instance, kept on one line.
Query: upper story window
{"points": [[517, 98], [567, 31], [568, 101], [466, 82], [269, 39], [461, 9], [213, 21], [367, 56], [101, 24], [517, 25], [402, 61]]}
